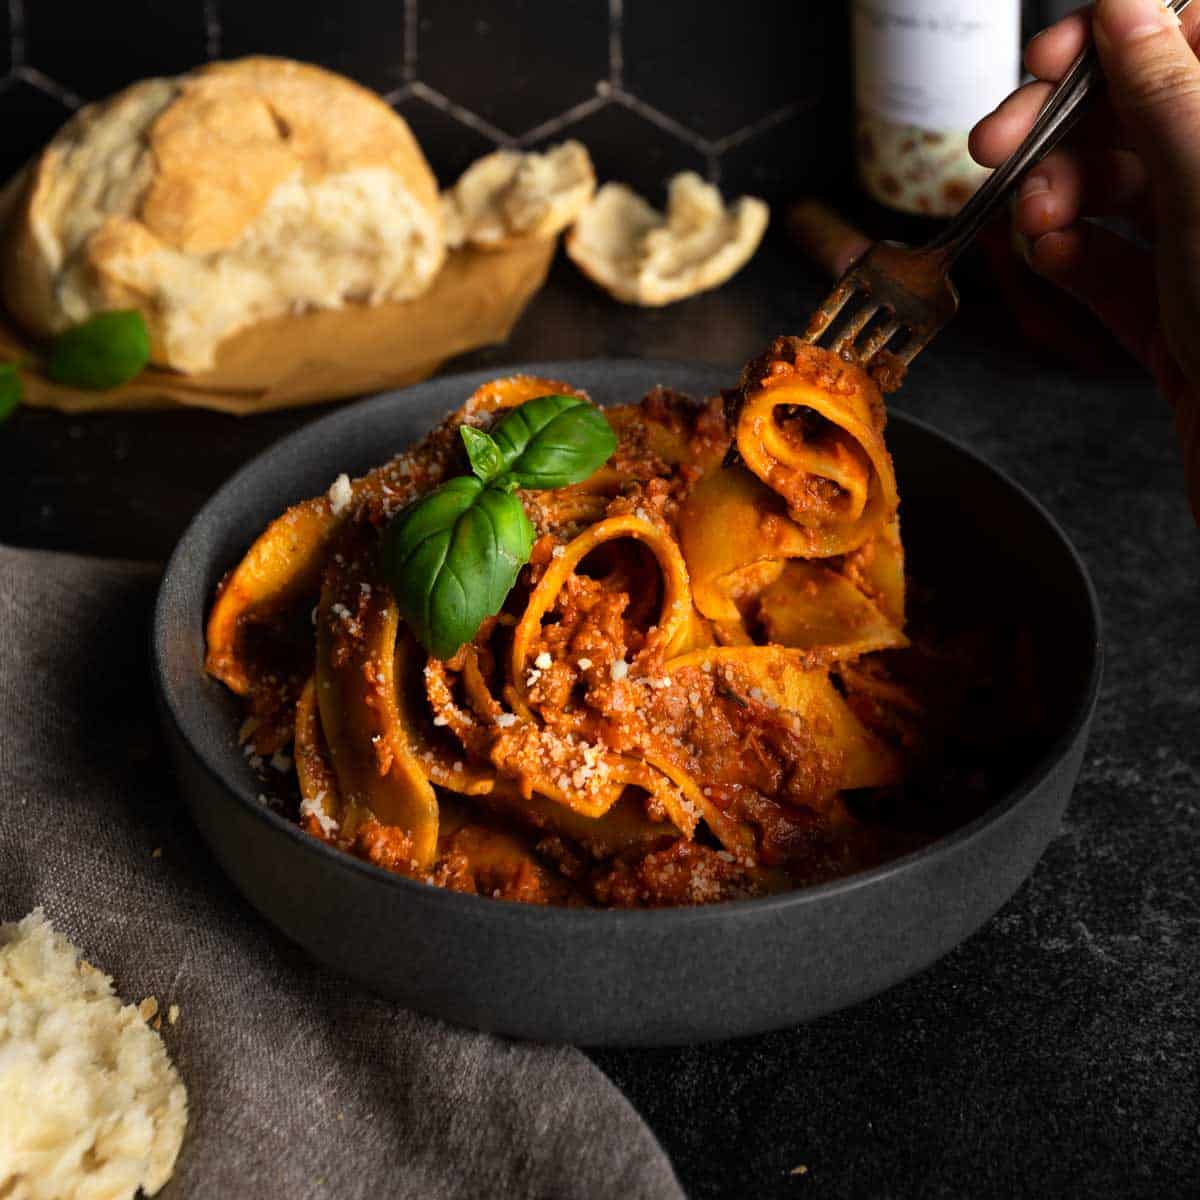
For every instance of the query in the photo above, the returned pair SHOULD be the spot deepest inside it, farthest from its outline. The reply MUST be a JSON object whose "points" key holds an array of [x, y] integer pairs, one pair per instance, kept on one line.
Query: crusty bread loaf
{"points": [[238, 192], [508, 196], [90, 1104], [640, 256]]}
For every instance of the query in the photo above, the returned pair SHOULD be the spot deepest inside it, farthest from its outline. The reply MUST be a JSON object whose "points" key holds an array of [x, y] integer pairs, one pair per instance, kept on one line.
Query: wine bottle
{"points": [[925, 72]]}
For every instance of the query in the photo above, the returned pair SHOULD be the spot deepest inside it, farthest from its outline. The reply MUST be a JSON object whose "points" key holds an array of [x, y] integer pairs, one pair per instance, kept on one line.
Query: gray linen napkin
{"points": [[300, 1084]]}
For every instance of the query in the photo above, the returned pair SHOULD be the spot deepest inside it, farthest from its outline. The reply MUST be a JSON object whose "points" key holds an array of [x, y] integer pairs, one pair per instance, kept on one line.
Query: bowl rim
{"points": [[539, 917]]}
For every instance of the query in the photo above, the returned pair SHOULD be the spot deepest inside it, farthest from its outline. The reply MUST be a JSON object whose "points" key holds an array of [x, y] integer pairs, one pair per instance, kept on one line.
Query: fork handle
{"points": [[1057, 118]]}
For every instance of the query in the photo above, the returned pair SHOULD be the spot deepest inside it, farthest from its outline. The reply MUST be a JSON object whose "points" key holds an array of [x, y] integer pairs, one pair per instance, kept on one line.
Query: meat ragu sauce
{"points": [[694, 693]]}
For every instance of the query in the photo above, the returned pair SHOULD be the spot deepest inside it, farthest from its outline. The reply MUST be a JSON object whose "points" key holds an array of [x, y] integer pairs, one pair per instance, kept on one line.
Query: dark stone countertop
{"points": [[1057, 1052]]}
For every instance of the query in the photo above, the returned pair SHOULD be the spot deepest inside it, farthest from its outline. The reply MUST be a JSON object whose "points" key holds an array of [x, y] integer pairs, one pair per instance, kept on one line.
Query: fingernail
{"points": [[1132, 20], [1034, 185], [1023, 246], [1045, 255]]}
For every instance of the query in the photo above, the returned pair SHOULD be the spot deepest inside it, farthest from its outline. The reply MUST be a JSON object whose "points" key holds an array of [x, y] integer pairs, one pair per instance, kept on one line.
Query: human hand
{"points": [[1136, 155]]}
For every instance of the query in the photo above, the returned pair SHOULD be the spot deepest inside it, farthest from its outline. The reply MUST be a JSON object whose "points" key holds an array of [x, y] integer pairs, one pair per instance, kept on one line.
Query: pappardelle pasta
{"points": [[684, 698]]}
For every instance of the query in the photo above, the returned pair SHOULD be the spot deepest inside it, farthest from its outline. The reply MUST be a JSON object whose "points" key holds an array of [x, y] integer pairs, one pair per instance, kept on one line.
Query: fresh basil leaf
{"points": [[483, 453], [104, 352], [10, 390], [553, 441], [452, 557]]}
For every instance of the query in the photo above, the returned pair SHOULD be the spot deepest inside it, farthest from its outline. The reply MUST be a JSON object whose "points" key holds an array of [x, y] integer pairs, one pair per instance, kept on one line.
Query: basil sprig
{"points": [[104, 352], [452, 556], [10, 389], [553, 441]]}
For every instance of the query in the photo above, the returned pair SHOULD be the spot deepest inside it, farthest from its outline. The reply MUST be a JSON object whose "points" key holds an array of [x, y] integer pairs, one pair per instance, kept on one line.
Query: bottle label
{"points": [[936, 64]]}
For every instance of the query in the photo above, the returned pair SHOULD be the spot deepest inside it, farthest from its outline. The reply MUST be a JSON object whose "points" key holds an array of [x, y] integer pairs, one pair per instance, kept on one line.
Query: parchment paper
{"points": [[317, 356]]}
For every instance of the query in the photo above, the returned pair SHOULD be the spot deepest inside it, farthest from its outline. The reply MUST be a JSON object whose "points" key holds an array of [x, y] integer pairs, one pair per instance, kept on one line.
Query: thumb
{"points": [[1154, 85]]}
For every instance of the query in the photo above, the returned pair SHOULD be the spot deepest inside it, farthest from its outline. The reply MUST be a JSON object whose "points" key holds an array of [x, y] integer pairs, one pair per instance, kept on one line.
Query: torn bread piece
{"points": [[90, 1103], [640, 256], [508, 196]]}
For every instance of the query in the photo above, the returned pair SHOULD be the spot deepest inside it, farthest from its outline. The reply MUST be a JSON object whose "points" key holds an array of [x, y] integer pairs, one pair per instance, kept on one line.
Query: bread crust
{"points": [[141, 193]]}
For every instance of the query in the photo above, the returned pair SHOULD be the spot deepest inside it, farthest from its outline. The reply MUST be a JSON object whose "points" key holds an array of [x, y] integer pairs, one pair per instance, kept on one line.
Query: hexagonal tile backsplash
{"points": [[754, 94]]}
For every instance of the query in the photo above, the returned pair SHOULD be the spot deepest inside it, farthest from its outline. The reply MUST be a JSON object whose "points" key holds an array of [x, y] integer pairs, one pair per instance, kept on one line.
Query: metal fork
{"points": [[898, 297]]}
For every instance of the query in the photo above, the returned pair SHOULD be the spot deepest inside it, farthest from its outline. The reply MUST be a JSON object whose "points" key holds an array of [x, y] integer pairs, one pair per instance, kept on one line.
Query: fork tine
{"points": [[912, 348], [857, 323], [878, 340], [830, 308]]}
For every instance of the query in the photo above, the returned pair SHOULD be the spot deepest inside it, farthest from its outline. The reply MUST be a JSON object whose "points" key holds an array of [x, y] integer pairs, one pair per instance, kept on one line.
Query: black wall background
{"points": [[753, 93]]}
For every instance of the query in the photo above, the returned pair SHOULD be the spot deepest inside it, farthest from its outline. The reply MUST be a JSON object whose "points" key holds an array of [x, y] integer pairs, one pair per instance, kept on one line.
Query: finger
{"points": [[1001, 132], [1109, 274], [1051, 52], [1054, 49], [1072, 183], [1154, 86]]}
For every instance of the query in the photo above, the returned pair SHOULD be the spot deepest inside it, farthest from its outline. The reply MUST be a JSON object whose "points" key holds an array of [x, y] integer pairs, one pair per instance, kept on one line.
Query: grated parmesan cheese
{"points": [[619, 670], [584, 663], [504, 720], [340, 495], [543, 661], [314, 809]]}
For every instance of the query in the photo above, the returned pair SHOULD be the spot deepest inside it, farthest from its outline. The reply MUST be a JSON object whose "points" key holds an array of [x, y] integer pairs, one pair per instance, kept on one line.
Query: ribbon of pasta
{"points": [[737, 838], [810, 607], [624, 827], [377, 772], [877, 568], [810, 426], [619, 772], [280, 570], [737, 541], [676, 622], [319, 795], [448, 762], [735, 537], [786, 679]]}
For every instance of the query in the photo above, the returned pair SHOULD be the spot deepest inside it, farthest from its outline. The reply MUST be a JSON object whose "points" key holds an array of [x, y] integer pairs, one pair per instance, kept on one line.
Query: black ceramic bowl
{"points": [[630, 978]]}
